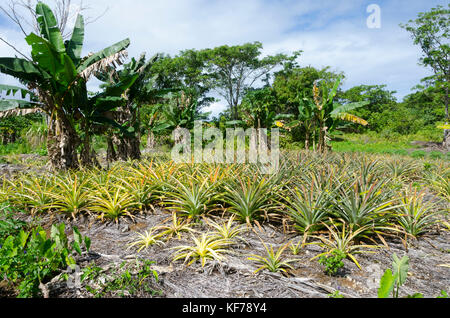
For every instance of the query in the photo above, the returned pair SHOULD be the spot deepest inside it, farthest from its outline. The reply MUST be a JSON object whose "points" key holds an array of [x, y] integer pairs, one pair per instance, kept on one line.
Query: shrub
{"points": [[333, 262], [31, 259]]}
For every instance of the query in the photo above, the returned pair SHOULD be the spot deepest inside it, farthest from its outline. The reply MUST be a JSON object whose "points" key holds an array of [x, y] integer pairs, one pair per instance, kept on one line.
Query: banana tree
{"points": [[142, 91], [153, 125], [305, 118], [57, 75], [98, 116], [328, 113], [259, 108], [182, 111]]}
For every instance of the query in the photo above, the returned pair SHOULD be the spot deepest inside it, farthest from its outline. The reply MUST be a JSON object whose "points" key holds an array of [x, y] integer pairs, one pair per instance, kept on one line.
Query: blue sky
{"points": [[330, 32]]}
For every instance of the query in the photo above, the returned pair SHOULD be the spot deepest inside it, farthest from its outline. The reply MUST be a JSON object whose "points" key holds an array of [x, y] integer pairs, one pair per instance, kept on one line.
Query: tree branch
{"points": [[10, 45]]}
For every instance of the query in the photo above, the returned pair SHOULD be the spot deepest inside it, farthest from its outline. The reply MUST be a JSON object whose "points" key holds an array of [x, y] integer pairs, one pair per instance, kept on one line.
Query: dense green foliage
{"points": [[29, 258], [168, 92]]}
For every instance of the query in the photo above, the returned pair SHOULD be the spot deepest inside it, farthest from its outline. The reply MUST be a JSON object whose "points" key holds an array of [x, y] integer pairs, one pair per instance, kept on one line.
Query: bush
{"points": [[333, 263], [31, 258]]}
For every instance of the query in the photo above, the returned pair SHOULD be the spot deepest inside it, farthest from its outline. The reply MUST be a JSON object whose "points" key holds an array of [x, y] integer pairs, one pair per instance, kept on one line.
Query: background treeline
{"points": [[141, 102], [276, 93]]}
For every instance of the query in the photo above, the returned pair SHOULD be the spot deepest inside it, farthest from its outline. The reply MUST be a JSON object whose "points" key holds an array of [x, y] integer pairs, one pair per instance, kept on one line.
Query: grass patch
{"points": [[354, 143], [22, 148]]}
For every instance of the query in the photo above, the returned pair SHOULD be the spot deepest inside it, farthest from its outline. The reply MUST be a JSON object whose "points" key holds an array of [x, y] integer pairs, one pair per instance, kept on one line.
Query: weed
{"points": [[333, 262]]}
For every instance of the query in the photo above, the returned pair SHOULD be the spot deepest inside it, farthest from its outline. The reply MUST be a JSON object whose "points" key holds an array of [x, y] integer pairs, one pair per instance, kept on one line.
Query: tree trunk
{"points": [[151, 142], [446, 131], [307, 137], [88, 157], [111, 154], [4, 138], [62, 144], [128, 146], [322, 141]]}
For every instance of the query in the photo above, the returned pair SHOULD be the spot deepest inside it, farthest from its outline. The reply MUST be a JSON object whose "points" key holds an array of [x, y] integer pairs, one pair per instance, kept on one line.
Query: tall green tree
{"points": [[431, 31], [184, 72], [379, 98], [235, 69]]}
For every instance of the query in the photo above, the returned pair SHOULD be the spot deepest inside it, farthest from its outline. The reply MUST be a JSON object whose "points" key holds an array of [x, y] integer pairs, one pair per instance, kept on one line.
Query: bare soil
{"points": [[429, 146], [234, 277]]}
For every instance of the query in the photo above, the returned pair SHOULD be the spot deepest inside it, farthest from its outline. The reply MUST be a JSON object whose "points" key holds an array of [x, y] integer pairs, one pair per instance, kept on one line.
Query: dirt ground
{"points": [[234, 277], [429, 146]]}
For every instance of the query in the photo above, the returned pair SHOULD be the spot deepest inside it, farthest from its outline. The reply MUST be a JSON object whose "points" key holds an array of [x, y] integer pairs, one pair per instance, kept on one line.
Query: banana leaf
{"points": [[108, 53], [22, 69], [49, 27], [9, 104], [335, 89], [119, 88], [45, 54], [75, 45], [12, 90], [106, 104], [340, 109], [353, 119]]}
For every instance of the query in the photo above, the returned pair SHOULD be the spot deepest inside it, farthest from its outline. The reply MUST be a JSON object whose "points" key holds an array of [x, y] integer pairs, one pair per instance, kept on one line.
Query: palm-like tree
{"points": [[328, 113], [56, 75], [143, 91]]}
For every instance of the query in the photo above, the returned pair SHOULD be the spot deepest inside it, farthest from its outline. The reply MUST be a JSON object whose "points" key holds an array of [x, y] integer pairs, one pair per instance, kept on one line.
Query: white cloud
{"points": [[331, 33], [365, 56], [215, 108]]}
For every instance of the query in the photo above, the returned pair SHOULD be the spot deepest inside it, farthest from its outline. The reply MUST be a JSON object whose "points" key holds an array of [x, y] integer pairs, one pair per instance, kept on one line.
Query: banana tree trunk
{"points": [[307, 137], [88, 157], [62, 144], [111, 154], [322, 140], [151, 142], [128, 146]]}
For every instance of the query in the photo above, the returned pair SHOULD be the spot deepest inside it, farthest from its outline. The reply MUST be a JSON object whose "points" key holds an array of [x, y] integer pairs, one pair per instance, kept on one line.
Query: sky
{"points": [[331, 33]]}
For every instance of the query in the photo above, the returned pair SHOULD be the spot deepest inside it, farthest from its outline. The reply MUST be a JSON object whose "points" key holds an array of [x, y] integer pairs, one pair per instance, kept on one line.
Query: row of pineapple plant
{"points": [[311, 194]]}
